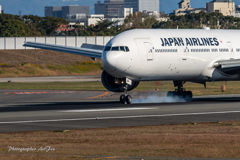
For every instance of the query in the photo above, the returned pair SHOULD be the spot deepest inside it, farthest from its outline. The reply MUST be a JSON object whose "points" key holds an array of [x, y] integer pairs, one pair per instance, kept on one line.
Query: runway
{"points": [[95, 78], [65, 110]]}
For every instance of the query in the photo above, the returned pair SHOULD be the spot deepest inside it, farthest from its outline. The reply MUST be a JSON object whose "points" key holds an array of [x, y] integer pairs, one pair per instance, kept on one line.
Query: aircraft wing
{"points": [[84, 51]]}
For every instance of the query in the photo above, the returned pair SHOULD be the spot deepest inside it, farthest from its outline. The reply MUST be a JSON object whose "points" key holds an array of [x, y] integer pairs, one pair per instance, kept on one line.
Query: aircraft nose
{"points": [[110, 61]]}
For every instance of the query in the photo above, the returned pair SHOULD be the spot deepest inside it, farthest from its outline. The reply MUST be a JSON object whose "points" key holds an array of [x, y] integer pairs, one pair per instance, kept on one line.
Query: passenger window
{"points": [[107, 48], [127, 49], [115, 48], [122, 48]]}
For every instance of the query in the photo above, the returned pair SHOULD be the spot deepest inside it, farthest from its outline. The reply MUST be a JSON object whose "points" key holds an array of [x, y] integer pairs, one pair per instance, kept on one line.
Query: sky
{"points": [[36, 7]]}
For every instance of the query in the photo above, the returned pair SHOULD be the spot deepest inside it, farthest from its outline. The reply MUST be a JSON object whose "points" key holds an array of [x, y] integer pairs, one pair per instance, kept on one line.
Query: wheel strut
{"points": [[125, 98], [180, 91]]}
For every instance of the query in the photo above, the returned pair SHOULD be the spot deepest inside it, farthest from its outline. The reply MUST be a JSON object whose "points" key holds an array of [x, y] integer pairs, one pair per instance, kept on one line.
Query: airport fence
{"points": [[17, 42]]}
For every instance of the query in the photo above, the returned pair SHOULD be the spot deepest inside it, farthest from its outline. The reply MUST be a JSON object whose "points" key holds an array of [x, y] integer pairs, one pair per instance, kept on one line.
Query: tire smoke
{"points": [[155, 98]]}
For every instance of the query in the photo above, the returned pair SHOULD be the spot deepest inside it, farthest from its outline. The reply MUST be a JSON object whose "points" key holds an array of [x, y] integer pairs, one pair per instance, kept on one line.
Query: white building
{"points": [[94, 19], [124, 12], [140, 5], [0, 9], [151, 13], [75, 17], [119, 21], [236, 13]]}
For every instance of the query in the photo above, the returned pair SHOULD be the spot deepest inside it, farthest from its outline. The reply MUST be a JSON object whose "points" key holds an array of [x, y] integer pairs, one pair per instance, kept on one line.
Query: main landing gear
{"points": [[180, 92], [125, 98]]}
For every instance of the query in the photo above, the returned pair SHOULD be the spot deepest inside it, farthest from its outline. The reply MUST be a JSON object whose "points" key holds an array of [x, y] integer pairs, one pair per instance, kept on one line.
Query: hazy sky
{"points": [[36, 7]]}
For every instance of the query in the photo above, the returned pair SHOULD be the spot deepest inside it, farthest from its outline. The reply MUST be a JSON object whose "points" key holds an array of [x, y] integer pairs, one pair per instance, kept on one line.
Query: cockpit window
{"points": [[122, 48], [127, 49], [115, 48], [107, 48]]}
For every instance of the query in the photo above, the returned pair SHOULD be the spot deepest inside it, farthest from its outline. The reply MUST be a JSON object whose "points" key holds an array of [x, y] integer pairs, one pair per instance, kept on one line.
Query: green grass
{"points": [[197, 89], [28, 69], [54, 85]]}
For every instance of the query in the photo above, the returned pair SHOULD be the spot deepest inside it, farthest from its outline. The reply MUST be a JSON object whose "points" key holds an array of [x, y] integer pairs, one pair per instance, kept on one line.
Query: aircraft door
{"points": [[231, 50], [184, 53], [149, 50], [145, 49]]}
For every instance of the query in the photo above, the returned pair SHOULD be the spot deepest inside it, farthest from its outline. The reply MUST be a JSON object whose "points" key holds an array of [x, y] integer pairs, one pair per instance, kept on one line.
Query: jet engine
{"points": [[109, 82]]}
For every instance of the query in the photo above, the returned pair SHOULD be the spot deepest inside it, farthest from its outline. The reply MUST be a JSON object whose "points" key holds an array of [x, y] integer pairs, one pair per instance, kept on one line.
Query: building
{"points": [[75, 17], [75, 9], [151, 13], [236, 13], [124, 12], [99, 8], [141, 5], [109, 8], [53, 11], [66, 11], [93, 19], [0, 9], [184, 8], [226, 7]]}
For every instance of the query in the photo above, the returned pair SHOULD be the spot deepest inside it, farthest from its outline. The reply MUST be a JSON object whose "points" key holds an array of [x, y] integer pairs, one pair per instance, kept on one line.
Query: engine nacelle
{"points": [[108, 82]]}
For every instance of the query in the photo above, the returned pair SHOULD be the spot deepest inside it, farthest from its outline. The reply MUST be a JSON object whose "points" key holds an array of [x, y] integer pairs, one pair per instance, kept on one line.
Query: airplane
{"points": [[178, 55]]}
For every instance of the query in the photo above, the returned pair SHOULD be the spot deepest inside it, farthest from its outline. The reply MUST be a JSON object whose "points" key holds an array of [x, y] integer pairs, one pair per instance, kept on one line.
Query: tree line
{"points": [[29, 25]]}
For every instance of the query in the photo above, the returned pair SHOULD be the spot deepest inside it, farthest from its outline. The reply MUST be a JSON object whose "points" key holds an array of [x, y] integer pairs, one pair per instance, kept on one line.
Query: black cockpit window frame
{"points": [[107, 48], [127, 49], [122, 48], [115, 48]]}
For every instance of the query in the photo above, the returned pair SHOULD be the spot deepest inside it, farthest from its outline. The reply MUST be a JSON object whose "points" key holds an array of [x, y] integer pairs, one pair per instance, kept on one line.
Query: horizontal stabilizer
{"points": [[92, 46], [93, 53]]}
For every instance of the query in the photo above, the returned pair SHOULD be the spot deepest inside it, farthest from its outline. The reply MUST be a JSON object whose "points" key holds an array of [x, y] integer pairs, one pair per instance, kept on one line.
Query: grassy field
{"points": [[209, 140], [197, 89], [34, 70]]}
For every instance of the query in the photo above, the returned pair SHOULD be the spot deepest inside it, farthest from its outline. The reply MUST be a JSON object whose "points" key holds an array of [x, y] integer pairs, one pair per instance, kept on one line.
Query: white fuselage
{"points": [[184, 55]]}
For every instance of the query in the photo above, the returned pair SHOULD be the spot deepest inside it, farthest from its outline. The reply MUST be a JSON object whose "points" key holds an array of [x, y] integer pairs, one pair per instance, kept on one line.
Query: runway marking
{"points": [[122, 117], [106, 93], [7, 93], [107, 110], [8, 96], [45, 92]]}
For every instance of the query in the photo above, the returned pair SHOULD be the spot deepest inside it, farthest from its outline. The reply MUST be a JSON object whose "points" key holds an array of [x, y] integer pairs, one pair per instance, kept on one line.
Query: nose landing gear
{"points": [[125, 98], [180, 92]]}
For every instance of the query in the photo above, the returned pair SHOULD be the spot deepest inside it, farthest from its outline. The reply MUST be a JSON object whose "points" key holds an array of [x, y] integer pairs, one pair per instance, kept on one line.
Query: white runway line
{"points": [[107, 110], [122, 117]]}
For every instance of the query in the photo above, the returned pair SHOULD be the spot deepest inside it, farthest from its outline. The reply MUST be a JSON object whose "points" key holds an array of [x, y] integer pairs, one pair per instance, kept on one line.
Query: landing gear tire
{"points": [[122, 99], [186, 95], [129, 99]]}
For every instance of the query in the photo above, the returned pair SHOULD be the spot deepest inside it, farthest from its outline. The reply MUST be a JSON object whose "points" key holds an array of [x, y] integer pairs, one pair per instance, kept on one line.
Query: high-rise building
{"points": [[65, 11], [109, 8], [51, 11], [141, 5], [100, 8], [0, 9], [74, 9]]}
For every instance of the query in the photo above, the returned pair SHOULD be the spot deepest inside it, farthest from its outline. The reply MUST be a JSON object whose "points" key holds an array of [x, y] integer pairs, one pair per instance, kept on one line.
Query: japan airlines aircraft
{"points": [[181, 56]]}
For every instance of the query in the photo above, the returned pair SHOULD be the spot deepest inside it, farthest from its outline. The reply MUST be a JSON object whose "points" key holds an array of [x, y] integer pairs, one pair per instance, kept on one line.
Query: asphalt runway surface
{"points": [[65, 110], [95, 78]]}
